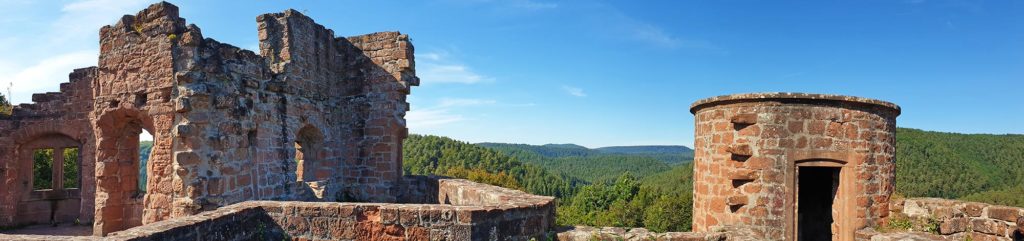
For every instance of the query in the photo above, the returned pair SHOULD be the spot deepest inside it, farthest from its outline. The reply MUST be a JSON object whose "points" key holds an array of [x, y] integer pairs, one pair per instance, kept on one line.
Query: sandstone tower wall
{"points": [[750, 149]]}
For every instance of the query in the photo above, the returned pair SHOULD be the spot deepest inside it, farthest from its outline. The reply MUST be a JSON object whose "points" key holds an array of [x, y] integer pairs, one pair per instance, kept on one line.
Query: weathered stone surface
{"points": [[228, 124], [748, 148], [58, 121], [585, 233], [958, 219], [292, 220]]}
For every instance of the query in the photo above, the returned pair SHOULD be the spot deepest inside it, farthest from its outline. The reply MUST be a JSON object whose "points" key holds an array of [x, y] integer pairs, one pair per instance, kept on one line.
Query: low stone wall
{"points": [[473, 212], [943, 219], [585, 233]]}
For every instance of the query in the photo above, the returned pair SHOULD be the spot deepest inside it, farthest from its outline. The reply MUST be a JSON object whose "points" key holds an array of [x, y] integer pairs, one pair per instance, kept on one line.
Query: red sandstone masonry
{"points": [[957, 219], [55, 120], [228, 124], [521, 217], [749, 146]]}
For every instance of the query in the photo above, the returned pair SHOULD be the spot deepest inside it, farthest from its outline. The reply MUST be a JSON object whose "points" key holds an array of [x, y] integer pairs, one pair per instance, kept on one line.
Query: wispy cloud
{"points": [[447, 111], [532, 5], [86, 17], [527, 5], [43, 74], [438, 67], [618, 24], [455, 102], [40, 59], [425, 119], [574, 91], [449, 73]]}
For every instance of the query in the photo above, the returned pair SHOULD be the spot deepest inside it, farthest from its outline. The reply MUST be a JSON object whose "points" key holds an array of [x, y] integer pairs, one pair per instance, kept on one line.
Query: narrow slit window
{"points": [[42, 169], [145, 148], [71, 167]]}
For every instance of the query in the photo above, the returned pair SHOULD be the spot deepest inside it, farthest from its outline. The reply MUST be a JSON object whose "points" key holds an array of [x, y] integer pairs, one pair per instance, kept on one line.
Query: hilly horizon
{"points": [[598, 187]]}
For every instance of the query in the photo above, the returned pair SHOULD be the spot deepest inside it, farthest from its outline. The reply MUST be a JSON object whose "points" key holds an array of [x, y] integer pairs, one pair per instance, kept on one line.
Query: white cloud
{"points": [[88, 16], [574, 91], [437, 67], [449, 73], [650, 33], [617, 24], [39, 59], [532, 5], [528, 5], [419, 120], [455, 102], [445, 112], [47, 74], [430, 56]]}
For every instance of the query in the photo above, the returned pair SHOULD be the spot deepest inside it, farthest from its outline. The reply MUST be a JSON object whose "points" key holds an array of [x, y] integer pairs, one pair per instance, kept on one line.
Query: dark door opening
{"points": [[816, 192]]}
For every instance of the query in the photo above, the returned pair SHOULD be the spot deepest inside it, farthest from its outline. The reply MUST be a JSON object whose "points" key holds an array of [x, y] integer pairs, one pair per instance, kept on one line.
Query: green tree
{"points": [[42, 169], [5, 105]]}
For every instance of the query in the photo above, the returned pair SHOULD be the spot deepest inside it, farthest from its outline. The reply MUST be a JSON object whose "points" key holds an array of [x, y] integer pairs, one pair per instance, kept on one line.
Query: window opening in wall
{"points": [[42, 169], [71, 168], [307, 155], [299, 157], [145, 149]]}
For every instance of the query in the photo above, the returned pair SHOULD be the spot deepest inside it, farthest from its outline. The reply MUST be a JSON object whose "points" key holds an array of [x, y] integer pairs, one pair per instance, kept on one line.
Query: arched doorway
{"points": [[120, 185]]}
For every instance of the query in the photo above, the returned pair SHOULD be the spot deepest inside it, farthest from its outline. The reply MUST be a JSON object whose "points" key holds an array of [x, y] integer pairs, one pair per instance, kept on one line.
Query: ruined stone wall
{"points": [[749, 148], [949, 220], [55, 120], [489, 213], [314, 117]]}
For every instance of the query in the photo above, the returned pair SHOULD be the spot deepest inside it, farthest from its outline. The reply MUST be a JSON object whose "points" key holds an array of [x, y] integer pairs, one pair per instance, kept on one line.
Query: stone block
{"points": [[1008, 214]]}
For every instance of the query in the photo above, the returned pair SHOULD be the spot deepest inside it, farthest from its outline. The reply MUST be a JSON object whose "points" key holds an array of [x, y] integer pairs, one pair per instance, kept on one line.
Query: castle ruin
{"points": [[303, 141], [311, 117]]}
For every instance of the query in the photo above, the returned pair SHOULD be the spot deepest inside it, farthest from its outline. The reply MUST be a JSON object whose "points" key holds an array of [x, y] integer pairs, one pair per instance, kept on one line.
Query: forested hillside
{"points": [[597, 165], [613, 194], [977, 167], [626, 186], [444, 156], [549, 150]]}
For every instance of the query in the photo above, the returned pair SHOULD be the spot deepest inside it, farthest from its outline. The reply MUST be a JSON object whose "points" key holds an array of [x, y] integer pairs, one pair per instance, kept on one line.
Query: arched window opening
{"points": [[307, 155]]}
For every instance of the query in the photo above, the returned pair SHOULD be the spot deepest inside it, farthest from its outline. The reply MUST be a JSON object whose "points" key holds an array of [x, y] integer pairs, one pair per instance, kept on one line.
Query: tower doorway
{"points": [[817, 188]]}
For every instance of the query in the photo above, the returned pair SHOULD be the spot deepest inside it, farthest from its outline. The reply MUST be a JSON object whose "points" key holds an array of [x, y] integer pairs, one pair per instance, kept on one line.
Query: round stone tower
{"points": [[793, 166]]}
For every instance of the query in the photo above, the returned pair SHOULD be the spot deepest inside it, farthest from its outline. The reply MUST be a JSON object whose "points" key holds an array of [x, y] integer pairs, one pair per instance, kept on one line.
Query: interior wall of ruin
{"points": [[313, 117], [54, 120]]}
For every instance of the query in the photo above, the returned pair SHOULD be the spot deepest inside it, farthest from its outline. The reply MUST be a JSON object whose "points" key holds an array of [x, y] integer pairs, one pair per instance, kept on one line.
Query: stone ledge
{"points": [[586, 233], [770, 96], [476, 211]]}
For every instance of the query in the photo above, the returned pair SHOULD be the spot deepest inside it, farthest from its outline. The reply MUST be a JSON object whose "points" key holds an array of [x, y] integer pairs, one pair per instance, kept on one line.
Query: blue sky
{"points": [[601, 73]]}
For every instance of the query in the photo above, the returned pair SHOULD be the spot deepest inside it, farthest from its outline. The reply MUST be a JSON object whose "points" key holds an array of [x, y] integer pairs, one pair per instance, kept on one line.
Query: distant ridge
{"points": [[658, 149]]}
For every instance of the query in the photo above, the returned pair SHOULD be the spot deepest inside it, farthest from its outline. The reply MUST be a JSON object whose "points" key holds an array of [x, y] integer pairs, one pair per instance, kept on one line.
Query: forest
{"points": [[651, 186]]}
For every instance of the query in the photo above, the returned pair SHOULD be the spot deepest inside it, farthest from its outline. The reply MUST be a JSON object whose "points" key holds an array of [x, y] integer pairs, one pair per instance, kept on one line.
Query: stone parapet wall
{"points": [[477, 216], [954, 219], [585, 233]]}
